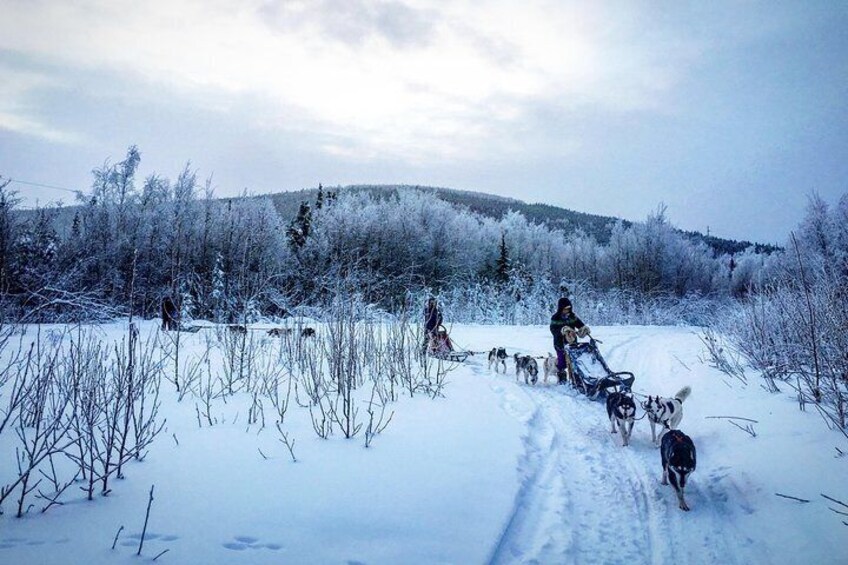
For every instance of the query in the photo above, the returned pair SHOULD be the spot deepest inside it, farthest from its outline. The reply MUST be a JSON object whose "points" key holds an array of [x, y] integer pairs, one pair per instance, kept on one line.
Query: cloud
{"points": [[354, 22], [18, 112], [417, 80]]}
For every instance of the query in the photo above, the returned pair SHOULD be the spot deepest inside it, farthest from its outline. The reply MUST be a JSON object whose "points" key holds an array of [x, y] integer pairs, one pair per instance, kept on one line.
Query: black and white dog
{"points": [[497, 356], [526, 365], [665, 412], [621, 410], [677, 454]]}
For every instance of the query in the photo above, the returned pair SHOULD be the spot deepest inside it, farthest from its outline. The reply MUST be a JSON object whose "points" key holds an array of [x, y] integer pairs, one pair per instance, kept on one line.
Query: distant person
{"points": [[432, 320], [170, 315], [564, 319]]}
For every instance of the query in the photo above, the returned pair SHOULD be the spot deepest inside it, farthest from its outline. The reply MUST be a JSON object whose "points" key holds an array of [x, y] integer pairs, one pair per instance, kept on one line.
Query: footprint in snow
{"points": [[9, 543], [132, 540], [242, 543]]}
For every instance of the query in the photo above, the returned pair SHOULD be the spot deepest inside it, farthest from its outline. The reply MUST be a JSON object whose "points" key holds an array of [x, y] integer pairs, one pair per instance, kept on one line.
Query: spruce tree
{"points": [[300, 227], [503, 263]]}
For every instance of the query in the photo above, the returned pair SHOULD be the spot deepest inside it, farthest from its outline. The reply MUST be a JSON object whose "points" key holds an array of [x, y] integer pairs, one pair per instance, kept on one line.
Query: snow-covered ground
{"points": [[497, 471]]}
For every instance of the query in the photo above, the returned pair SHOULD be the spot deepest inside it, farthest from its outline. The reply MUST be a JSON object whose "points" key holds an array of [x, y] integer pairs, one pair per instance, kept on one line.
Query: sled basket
{"points": [[440, 346], [590, 373]]}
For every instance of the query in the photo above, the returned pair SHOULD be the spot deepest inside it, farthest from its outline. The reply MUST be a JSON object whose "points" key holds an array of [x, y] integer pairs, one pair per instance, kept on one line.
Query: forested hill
{"points": [[492, 206]]}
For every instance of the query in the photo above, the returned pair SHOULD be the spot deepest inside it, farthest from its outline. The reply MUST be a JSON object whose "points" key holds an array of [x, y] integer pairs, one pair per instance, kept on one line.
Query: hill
{"points": [[487, 205], [492, 206]]}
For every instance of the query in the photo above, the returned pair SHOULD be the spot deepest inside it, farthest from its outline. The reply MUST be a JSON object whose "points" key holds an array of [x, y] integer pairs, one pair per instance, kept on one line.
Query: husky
{"points": [[678, 461], [665, 412], [550, 366], [497, 357], [621, 410], [527, 365]]}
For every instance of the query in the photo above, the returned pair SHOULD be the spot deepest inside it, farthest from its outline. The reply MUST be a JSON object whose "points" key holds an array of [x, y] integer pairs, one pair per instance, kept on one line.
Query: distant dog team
{"points": [[497, 357], [526, 365]]}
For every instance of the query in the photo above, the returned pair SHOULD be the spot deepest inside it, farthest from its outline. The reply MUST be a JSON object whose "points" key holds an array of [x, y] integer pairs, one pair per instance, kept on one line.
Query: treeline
{"points": [[130, 241]]}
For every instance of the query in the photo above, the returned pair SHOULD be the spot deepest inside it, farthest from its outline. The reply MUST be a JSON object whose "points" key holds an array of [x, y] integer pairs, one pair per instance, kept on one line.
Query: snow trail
{"points": [[584, 498]]}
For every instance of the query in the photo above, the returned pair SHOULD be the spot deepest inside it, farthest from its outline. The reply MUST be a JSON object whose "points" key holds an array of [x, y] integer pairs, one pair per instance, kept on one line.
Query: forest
{"points": [[129, 242]]}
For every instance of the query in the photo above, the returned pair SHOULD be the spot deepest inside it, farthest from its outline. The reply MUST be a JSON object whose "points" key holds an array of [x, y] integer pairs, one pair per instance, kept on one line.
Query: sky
{"points": [[731, 114]]}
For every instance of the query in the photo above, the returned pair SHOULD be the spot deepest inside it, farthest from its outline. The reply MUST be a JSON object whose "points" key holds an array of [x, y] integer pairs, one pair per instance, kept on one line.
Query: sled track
{"points": [[567, 491], [583, 498]]}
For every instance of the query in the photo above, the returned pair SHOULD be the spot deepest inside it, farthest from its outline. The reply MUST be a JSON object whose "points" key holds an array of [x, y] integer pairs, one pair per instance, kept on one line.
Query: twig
{"points": [[834, 500], [146, 517], [117, 535], [175, 439], [685, 366], [163, 552], [286, 442], [747, 429], [265, 457], [832, 422], [792, 497], [730, 418]]}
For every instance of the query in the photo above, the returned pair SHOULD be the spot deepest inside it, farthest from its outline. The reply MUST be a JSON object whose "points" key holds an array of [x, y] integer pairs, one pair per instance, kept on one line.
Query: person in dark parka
{"points": [[564, 317], [432, 317], [170, 315], [432, 320]]}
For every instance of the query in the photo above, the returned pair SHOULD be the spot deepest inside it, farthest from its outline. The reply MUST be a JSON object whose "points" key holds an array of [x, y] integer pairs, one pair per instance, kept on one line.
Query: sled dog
{"points": [[526, 365], [550, 366], [497, 357], [621, 410], [678, 461], [665, 412]]}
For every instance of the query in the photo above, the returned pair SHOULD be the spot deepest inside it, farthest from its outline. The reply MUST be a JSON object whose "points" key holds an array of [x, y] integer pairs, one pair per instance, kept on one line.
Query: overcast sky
{"points": [[729, 113]]}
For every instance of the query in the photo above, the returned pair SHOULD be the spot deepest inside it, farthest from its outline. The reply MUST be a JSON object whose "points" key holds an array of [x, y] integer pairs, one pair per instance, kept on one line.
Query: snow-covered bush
{"points": [[79, 409], [794, 327]]}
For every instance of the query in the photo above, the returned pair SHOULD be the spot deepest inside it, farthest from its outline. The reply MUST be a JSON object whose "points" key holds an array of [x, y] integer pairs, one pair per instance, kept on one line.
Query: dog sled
{"points": [[440, 346], [589, 373]]}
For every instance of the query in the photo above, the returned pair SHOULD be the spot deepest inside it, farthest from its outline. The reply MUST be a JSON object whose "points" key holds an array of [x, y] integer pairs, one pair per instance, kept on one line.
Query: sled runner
{"points": [[587, 371], [441, 347]]}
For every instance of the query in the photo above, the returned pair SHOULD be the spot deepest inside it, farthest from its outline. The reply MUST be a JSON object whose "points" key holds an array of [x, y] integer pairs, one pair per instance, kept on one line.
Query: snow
{"points": [[496, 471]]}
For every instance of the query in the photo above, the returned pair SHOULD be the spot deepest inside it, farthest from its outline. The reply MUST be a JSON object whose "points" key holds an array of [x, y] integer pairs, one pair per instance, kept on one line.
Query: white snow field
{"points": [[495, 472]]}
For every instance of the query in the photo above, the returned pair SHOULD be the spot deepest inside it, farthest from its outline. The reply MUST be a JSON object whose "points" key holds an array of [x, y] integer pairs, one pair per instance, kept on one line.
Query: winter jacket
{"points": [[558, 321], [432, 319], [169, 310]]}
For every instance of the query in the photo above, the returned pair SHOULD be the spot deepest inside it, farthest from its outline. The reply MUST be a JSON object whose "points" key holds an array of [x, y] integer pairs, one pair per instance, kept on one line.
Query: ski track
{"points": [[583, 498]]}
